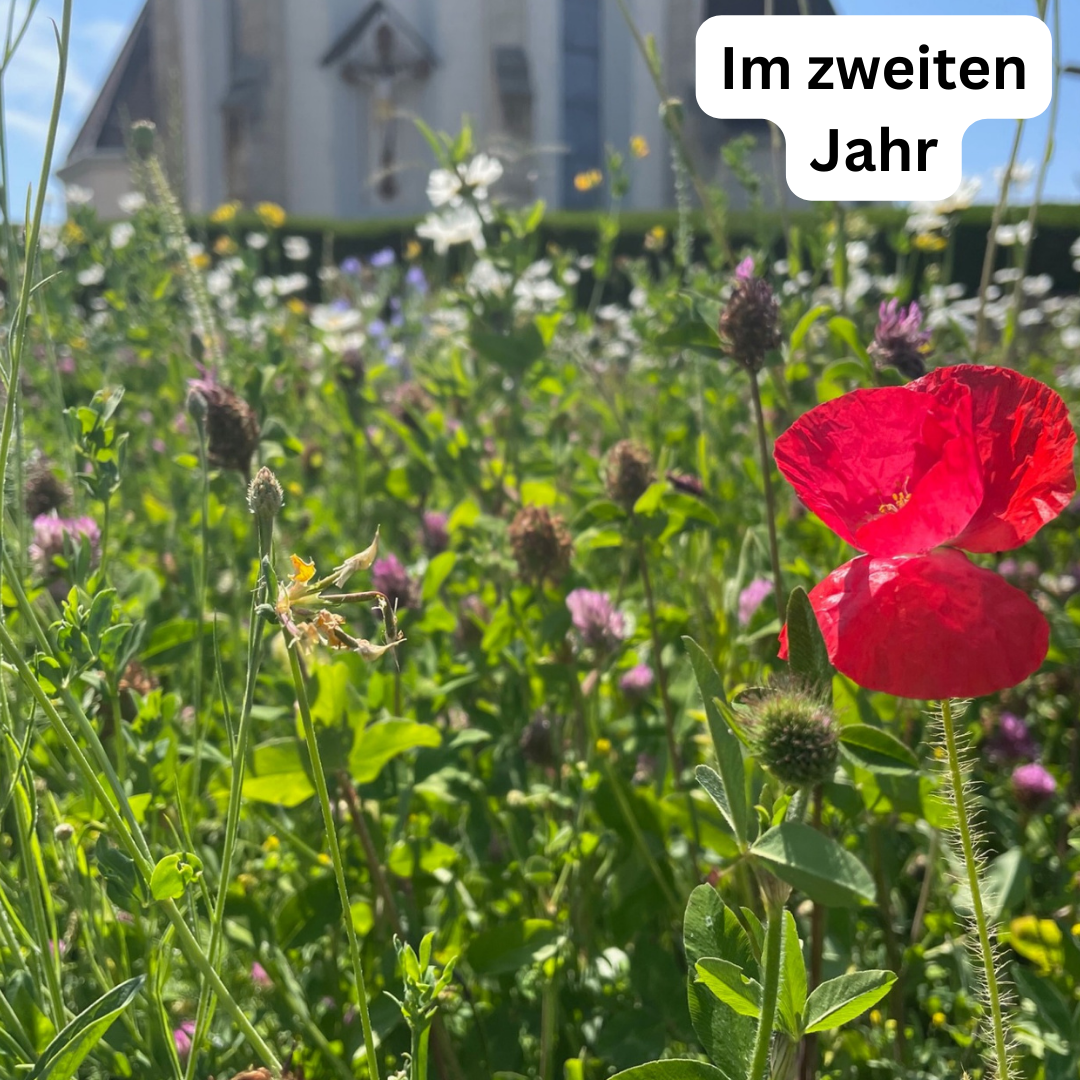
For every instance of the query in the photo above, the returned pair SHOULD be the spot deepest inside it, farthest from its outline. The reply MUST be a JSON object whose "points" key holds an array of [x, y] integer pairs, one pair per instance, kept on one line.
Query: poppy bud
{"points": [[541, 544], [795, 737], [629, 472], [44, 493], [750, 322]]}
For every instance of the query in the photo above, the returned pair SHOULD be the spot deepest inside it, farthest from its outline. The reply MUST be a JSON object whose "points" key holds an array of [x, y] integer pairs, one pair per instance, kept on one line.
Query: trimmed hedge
{"points": [[1057, 230]]}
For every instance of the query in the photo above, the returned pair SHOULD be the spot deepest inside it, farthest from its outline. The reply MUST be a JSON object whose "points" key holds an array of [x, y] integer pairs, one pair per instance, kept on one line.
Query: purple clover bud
{"points": [[389, 577], [1032, 785], [637, 682], [595, 619], [752, 597]]}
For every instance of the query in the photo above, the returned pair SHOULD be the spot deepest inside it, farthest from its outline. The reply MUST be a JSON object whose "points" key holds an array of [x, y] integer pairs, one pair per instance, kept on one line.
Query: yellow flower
{"points": [[225, 213], [586, 181], [271, 215], [324, 859], [655, 238], [271, 843], [302, 571], [639, 147], [875, 1016], [603, 746], [296, 305], [224, 245], [73, 233], [930, 242], [938, 1019], [413, 250], [200, 261]]}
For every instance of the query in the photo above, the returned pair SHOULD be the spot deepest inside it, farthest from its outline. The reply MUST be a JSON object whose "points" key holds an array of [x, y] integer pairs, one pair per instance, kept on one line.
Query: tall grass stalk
{"points": [[319, 776]]}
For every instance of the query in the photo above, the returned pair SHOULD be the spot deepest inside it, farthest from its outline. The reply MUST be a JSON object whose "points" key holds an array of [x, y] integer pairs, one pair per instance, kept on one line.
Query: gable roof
{"points": [[368, 18], [127, 95]]}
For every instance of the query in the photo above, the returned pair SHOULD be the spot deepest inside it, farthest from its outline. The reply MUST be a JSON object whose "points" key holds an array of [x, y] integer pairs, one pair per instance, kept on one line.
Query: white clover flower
{"points": [[961, 198], [459, 225], [92, 275], [1030, 317], [444, 188], [120, 235], [1007, 235], [858, 251], [296, 248], [638, 297], [1070, 337], [531, 294], [781, 267], [264, 287], [1039, 285], [1007, 275], [571, 276], [1020, 176], [131, 202], [77, 196], [218, 281], [256, 240], [287, 284]]}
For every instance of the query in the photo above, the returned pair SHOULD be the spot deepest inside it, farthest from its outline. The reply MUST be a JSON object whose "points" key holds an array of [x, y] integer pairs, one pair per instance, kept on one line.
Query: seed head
{"points": [[44, 492], [629, 472], [750, 322], [232, 428], [541, 544], [795, 737]]}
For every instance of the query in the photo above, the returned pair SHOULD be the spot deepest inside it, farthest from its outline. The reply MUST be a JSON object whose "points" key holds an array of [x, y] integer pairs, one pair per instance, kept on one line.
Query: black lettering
{"points": [[924, 68], [943, 60], [974, 65], [825, 63], [858, 68], [834, 153], [1002, 63], [861, 158], [924, 145], [898, 65], [729, 68], [766, 65], [887, 145]]}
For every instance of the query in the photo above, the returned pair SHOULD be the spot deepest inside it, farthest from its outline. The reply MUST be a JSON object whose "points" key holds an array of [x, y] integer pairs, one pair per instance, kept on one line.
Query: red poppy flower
{"points": [[968, 457]]}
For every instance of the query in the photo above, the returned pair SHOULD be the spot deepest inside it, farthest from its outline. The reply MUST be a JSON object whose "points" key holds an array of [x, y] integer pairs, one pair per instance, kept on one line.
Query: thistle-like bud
{"points": [[795, 737], [265, 500], [64, 832], [899, 340], [232, 428], [629, 472], [541, 544], [750, 322], [44, 492], [143, 137]]}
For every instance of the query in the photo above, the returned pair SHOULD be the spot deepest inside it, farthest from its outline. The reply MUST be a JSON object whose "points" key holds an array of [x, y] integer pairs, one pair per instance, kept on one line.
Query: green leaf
{"points": [[713, 785], [437, 572], [877, 750], [513, 947], [1005, 883], [808, 656], [173, 874], [837, 1001], [816, 864], [514, 353], [379, 743], [279, 774], [848, 333], [699, 336], [68, 1050], [802, 327], [673, 1069], [712, 929], [727, 982], [332, 698], [792, 1001], [726, 743]]}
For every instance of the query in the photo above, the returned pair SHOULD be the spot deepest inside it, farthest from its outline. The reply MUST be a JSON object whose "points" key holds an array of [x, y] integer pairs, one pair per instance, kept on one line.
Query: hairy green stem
{"points": [[330, 825], [971, 866], [770, 991], [770, 501]]}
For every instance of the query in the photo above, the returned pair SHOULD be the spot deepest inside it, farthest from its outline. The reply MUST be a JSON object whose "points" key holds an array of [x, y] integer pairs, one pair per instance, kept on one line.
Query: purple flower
{"points": [[745, 270], [1032, 785], [899, 341], [1012, 741], [183, 1036], [595, 619], [637, 682], [55, 535], [352, 266], [686, 483], [751, 598], [383, 258], [416, 279], [433, 530], [390, 578], [260, 977]]}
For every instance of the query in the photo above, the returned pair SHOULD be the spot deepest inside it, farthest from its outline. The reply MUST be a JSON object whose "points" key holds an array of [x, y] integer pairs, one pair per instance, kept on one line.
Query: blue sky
{"points": [[99, 28]]}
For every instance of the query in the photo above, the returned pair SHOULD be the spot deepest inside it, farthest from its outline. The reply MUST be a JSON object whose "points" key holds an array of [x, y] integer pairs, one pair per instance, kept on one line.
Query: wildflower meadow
{"points": [[482, 659]]}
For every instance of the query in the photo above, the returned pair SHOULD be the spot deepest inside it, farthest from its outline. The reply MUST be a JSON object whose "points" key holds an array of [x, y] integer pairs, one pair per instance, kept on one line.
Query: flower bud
{"points": [[899, 340], [264, 496], [795, 737], [750, 322], [143, 137], [541, 544], [64, 832], [44, 493], [629, 472]]}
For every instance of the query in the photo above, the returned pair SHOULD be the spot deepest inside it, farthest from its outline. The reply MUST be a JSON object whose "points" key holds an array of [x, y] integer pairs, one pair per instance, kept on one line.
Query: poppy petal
{"points": [[1025, 442], [888, 475], [928, 626]]}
